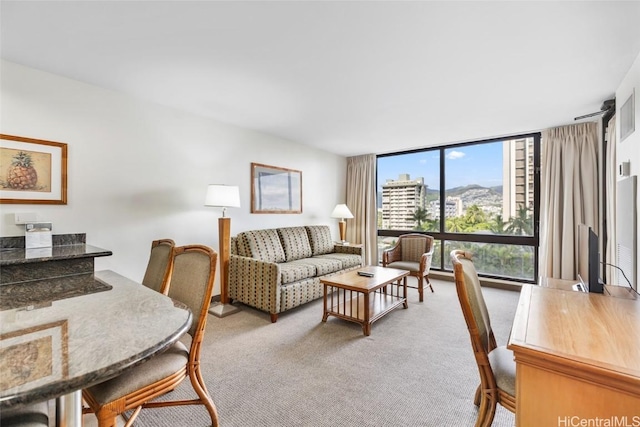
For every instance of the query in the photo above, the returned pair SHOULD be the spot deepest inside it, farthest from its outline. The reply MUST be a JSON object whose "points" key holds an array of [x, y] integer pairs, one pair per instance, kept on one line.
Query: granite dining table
{"points": [[60, 335]]}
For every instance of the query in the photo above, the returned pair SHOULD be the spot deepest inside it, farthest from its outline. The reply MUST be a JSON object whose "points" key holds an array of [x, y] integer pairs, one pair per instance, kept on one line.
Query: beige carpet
{"points": [[416, 368]]}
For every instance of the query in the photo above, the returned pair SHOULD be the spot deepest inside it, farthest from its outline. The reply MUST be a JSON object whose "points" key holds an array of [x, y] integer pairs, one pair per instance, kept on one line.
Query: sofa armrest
{"points": [[255, 283]]}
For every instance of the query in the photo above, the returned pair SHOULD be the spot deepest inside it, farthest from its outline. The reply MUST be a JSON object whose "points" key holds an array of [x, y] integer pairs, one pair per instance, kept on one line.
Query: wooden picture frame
{"points": [[275, 190], [42, 352], [32, 171]]}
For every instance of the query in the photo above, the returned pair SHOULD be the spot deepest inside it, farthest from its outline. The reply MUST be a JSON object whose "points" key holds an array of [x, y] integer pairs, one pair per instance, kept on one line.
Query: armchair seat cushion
{"points": [[405, 265], [504, 369], [155, 369]]}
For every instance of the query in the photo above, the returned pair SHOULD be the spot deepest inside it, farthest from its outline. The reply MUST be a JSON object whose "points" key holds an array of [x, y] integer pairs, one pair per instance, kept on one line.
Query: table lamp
{"points": [[342, 211], [223, 196]]}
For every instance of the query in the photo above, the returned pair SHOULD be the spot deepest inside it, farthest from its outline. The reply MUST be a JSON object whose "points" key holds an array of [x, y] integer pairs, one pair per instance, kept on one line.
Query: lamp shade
{"points": [[341, 211], [225, 196]]}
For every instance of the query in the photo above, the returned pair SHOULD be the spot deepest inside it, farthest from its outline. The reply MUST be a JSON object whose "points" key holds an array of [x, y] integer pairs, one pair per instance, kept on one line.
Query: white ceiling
{"points": [[350, 77]]}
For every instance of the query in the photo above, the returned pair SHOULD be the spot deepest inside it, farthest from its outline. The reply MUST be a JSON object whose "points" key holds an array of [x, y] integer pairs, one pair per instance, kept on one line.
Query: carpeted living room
{"points": [[290, 162]]}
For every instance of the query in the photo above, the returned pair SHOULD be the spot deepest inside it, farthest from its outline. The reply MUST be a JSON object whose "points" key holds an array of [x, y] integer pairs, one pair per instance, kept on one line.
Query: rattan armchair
{"points": [[412, 252], [495, 364], [192, 284], [159, 267]]}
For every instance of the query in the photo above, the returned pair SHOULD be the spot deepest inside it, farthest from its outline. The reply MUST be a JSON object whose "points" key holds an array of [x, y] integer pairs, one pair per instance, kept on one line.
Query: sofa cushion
{"points": [[295, 270], [320, 239], [324, 265], [347, 260], [295, 243], [263, 245]]}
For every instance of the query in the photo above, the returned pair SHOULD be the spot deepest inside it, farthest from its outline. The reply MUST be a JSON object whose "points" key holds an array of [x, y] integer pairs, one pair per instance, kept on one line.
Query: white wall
{"points": [[629, 149], [139, 171]]}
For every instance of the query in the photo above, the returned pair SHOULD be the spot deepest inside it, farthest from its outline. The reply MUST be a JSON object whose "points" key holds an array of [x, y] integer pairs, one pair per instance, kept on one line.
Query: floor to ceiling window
{"points": [[480, 196]]}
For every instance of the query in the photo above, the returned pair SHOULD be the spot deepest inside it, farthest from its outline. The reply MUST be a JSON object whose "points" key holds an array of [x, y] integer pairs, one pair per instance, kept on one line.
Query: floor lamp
{"points": [[223, 196], [342, 211]]}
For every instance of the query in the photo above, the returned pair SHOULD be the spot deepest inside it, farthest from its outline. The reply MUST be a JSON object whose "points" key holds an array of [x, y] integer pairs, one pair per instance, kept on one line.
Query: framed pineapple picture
{"points": [[32, 171]]}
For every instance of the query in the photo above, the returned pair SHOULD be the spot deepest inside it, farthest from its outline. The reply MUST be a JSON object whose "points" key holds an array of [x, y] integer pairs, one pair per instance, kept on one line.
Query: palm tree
{"points": [[420, 216], [475, 215], [498, 224], [456, 224], [521, 224], [431, 225]]}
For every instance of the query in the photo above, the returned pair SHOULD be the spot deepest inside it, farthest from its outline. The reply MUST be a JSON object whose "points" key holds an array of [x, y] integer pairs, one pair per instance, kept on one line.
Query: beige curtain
{"points": [[568, 196], [361, 200], [610, 206]]}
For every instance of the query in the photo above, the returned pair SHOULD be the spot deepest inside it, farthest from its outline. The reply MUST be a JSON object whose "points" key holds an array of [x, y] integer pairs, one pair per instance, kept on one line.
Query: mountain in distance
{"points": [[460, 191], [457, 191], [469, 194]]}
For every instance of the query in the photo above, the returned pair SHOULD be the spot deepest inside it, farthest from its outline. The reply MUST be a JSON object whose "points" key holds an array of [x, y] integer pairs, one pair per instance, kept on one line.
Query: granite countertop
{"points": [[41, 293], [11, 256], [85, 337]]}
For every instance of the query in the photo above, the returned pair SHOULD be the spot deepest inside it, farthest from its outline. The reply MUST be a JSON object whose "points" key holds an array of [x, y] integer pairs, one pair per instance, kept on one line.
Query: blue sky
{"points": [[472, 164]]}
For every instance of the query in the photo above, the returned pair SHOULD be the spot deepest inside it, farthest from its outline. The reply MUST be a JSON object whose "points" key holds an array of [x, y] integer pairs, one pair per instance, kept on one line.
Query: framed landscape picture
{"points": [[32, 171], [275, 189]]}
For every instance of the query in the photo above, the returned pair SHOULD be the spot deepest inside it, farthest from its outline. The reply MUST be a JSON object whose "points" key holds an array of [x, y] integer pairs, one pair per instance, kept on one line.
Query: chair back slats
{"points": [[194, 268], [158, 271]]}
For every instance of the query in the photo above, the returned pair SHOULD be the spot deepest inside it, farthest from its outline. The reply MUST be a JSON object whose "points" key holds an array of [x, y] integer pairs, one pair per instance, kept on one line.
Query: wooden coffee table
{"points": [[364, 300]]}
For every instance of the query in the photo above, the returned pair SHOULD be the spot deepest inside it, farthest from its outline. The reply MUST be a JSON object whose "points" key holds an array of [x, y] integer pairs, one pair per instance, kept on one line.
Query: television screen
{"points": [[588, 259]]}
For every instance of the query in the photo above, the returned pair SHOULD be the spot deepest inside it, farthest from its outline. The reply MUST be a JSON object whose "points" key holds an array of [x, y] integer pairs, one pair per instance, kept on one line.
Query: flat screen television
{"points": [[588, 260]]}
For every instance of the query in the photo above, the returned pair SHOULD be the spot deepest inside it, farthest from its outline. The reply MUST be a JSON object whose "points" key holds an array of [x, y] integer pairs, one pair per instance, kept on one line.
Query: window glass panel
{"points": [[490, 188], [408, 187], [509, 261]]}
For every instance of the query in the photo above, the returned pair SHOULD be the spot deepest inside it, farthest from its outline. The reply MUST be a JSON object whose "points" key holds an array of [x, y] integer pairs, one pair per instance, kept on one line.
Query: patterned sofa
{"points": [[277, 269]]}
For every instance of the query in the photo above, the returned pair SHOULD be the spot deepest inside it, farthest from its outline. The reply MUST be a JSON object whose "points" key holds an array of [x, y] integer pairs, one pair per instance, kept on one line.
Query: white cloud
{"points": [[454, 155]]}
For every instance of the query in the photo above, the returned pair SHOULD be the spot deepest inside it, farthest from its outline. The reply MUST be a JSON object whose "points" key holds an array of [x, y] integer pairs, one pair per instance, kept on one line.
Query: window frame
{"points": [[444, 236]]}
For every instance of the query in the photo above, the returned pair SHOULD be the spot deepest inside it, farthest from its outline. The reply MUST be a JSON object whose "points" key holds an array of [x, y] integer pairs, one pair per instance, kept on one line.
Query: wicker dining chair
{"points": [[192, 280], [412, 252], [159, 267], [495, 364]]}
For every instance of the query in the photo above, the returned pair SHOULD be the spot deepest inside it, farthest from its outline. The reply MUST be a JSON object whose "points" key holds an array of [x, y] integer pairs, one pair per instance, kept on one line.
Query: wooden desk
{"points": [[577, 357], [567, 285]]}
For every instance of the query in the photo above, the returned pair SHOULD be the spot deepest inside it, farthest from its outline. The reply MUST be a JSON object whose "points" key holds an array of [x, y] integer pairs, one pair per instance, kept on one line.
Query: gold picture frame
{"points": [[32, 171], [34, 356], [275, 190]]}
